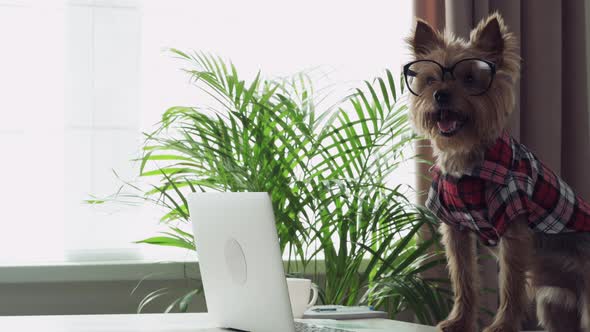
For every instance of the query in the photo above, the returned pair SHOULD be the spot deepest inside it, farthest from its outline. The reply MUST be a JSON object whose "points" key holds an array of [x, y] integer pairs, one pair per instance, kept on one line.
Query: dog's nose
{"points": [[442, 97]]}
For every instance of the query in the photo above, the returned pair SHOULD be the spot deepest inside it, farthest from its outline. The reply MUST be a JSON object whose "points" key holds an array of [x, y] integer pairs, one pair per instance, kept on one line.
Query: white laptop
{"points": [[241, 264]]}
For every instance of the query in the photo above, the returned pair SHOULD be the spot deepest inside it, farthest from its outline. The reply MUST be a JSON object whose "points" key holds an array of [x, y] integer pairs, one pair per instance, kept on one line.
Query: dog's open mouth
{"points": [[449, 122]]}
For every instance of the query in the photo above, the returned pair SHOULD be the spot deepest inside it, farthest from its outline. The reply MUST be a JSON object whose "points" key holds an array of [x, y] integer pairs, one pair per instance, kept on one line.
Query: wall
{"points": [[101, 297], [105, 288]]}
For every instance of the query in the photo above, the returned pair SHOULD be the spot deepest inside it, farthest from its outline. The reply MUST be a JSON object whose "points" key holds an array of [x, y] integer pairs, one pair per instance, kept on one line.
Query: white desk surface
{"points": [[169, 323]]}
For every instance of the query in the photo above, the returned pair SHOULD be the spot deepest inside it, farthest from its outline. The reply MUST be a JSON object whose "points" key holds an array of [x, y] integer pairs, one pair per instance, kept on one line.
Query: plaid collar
{"points": [[498, 160]]}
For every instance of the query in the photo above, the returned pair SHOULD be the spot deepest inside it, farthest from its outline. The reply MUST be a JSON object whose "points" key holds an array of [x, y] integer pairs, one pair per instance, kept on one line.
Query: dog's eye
{"points": [[468, 79], [430, 80]]}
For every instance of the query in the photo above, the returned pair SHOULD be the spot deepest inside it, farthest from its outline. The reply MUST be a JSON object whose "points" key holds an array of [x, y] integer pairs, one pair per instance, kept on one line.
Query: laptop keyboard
{"points": [[307, 327]]}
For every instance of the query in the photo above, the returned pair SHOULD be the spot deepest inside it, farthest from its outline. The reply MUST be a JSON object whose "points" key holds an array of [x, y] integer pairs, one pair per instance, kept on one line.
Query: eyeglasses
{"points": [[473, 75]]}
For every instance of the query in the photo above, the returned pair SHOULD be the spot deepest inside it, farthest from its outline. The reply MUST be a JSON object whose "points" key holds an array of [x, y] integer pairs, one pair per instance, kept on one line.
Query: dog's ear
{"points": [[489, 34], [424, 38], [492, 37]]}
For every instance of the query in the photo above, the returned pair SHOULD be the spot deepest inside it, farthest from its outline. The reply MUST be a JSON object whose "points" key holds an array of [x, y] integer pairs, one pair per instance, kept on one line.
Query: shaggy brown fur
{"points": [[555, 269]]}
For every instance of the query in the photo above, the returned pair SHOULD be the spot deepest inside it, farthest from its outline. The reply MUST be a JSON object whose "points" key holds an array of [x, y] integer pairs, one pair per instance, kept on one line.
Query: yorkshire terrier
{"points": [[486, 185]]}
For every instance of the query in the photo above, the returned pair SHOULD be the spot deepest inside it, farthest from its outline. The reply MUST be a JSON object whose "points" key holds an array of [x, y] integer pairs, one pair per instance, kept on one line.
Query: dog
{"points": [[487, 186]]}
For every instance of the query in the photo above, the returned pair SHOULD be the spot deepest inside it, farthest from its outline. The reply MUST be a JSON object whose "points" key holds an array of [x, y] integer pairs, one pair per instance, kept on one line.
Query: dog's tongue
{"points": [[447, 121], [447, 125]]}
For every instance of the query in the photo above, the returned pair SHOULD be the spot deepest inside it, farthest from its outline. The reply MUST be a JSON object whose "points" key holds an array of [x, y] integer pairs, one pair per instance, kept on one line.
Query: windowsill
{"points": [[98, 271]]}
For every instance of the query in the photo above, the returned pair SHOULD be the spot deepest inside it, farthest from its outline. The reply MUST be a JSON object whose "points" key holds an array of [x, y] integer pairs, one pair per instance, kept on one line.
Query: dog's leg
{"points": [[557, 309], [560, 278], [516, 247], [584, 297], [559, 296], [585, 310], [585, 302], [461, 255]]}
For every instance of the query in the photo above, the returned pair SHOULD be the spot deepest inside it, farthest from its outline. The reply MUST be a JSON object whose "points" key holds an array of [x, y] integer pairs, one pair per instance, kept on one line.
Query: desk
{"points": [[173, 323], [168, 323]]}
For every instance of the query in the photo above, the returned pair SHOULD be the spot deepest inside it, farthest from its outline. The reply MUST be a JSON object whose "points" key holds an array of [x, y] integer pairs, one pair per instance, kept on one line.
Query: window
{"points": [[83, 78]]}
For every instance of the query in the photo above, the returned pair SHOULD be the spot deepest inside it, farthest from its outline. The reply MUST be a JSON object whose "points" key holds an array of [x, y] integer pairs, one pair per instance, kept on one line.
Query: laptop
{"points": [[241, 265]]}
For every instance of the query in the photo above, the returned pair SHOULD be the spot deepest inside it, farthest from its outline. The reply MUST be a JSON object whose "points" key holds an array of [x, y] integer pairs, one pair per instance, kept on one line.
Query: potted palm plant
{"points": [[327, 172]]}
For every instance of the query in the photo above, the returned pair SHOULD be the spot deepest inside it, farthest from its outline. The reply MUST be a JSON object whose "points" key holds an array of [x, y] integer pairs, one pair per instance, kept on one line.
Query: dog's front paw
{"points": [[456, 325], [501, 327]]}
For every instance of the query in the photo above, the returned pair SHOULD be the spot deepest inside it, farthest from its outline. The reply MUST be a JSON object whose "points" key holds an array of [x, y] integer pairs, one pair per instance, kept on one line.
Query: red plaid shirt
{"points": [[511, 181]]}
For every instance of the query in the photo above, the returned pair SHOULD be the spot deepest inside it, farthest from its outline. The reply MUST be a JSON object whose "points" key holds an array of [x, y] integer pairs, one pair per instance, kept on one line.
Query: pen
{"points": [[324, 309]]}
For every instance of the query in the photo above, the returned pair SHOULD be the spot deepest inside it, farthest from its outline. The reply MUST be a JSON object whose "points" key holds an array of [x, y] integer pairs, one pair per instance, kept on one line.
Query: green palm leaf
{"points": [[327, 171]]}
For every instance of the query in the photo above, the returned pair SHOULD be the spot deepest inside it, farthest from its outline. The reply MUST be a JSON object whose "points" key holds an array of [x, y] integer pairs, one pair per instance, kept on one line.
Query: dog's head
{"points": [[462, 92]]}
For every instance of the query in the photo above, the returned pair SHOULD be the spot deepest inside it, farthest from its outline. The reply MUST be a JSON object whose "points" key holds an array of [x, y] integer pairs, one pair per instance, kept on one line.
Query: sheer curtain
{"points": [[83, 78], [31, 135]]}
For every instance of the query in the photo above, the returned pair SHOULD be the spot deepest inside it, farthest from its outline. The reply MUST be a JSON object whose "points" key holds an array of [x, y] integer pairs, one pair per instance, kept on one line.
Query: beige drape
{"points": [[551, 115]]}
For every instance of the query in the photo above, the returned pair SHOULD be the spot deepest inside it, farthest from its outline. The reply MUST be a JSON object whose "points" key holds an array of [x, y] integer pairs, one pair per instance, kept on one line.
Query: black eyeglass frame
{"points": [[450, 70]]}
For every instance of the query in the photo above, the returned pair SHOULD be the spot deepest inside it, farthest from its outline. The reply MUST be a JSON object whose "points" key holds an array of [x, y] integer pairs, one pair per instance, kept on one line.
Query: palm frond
{"points": [[327, 172]]}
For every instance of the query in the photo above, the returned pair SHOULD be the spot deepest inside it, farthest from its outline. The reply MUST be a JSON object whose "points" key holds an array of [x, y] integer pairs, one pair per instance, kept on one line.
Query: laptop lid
{"points": [[240, 261]]}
